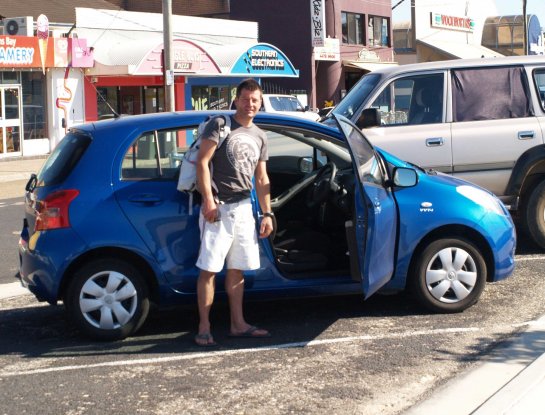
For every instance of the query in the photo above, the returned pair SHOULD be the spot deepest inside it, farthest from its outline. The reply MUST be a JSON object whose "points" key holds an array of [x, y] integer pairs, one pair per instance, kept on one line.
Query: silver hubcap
{"points": [[451, 275], [108, 300]]}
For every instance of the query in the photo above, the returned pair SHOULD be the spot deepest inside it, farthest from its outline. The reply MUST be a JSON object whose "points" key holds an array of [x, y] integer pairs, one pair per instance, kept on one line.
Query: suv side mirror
{"points": [[370, 117]]}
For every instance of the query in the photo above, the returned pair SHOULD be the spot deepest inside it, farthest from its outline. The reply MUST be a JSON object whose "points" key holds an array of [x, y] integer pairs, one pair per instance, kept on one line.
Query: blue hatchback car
{"points": [[107, 233]]}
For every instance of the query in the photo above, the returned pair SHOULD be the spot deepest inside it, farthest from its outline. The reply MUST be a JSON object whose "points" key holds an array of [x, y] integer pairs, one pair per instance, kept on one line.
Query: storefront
{"points": [[31, 70], [127, 77]]}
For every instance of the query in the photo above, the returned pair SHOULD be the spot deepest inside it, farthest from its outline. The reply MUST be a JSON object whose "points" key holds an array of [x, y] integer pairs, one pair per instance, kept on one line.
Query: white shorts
{"points": [[231, 240]]}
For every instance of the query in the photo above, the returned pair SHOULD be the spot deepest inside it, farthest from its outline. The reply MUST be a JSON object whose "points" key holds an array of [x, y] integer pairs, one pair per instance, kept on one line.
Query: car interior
{"points": [[312, 199]]}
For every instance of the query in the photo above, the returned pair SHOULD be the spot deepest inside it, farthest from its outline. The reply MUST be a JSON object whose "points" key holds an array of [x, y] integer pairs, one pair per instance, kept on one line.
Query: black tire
{"points": [[534, 215], [440, 283], [107, 299]]}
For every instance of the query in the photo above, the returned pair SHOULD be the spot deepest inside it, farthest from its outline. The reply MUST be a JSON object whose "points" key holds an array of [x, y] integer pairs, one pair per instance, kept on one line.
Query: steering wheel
{"points": [[323, 185]]}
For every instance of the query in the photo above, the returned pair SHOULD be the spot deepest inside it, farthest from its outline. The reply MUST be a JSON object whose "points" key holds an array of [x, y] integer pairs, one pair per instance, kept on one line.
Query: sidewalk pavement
{"points": [[508, 381], [14, 174]]}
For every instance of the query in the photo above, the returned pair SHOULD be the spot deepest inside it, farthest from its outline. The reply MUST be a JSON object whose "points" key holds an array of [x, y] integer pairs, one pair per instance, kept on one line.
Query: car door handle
{"points": [[526, 135], [434, 142], [147, 199]]}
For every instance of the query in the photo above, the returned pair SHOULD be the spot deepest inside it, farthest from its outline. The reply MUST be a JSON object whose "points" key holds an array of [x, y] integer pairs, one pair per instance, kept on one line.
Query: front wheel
{"points": [[107, 299], [534, 215], [449, 275]]}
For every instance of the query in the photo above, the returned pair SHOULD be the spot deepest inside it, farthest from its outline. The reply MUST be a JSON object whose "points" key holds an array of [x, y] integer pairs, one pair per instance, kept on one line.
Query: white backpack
{"points": [[187, 181]]}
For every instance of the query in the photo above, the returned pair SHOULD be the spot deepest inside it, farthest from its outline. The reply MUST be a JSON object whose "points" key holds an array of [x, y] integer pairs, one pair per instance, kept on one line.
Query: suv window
{"points": [[490, 94], [539, 78], [412, 100], [63, 159], [156, 155]]}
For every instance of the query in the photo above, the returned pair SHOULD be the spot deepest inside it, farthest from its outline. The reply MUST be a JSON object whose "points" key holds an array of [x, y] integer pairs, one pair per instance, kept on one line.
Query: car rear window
{"points": [[63, 159]]}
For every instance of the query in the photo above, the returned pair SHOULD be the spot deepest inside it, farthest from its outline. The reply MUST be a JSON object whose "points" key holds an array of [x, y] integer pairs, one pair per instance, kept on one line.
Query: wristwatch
{"points": [[268, 215]]}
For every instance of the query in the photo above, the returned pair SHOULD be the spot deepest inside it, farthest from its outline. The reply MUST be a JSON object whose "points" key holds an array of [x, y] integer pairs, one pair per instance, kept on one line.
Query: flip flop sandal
{"points": [[251, 333]]}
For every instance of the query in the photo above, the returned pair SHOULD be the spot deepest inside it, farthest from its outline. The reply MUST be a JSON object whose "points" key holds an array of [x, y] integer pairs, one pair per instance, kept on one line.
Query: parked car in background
{"points": [[287, 104], [482, 120], [106, 232]]}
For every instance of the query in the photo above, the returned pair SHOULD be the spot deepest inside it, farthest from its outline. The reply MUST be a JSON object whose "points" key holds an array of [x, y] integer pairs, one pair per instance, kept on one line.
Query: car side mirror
{"points": [[370, 117], [404, 177]]}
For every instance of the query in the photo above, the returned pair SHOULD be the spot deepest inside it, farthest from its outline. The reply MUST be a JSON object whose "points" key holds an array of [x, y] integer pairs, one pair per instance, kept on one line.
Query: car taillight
{"points": [[52, 212]]}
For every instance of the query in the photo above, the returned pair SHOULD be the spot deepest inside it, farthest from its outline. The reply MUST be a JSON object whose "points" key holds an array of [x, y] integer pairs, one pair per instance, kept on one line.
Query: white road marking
{"points": [[190, 356]]}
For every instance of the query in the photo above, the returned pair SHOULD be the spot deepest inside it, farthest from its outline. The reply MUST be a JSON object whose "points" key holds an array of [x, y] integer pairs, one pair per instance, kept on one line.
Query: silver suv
{"points": [[480, 119]]}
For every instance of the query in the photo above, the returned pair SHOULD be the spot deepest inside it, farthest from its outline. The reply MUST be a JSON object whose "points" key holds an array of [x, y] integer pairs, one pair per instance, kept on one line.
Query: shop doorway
{"points": [[10, 120]]}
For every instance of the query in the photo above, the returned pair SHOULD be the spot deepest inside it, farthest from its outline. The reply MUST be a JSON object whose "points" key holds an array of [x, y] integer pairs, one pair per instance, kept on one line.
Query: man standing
{"points": [[226, 220]]}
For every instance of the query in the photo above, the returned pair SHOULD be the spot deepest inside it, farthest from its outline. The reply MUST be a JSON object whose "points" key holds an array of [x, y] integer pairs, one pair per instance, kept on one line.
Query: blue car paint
{"points": [[175, 272]]}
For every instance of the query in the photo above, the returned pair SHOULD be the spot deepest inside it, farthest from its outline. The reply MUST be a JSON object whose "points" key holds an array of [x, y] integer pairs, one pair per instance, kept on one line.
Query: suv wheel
{"points": [[534, 215], [107, 299], [449, 275]]}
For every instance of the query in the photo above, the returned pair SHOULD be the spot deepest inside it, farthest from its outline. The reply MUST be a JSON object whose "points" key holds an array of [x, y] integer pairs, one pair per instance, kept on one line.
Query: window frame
{"points": [[350, 24], [371, 30]]}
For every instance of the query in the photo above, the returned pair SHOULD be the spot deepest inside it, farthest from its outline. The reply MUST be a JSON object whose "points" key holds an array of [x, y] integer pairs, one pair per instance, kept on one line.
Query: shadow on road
{"points": [[44, 331]]}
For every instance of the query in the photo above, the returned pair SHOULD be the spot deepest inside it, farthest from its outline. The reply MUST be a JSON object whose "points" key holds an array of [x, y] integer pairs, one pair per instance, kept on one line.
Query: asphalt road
{"points": [[332, 355]]}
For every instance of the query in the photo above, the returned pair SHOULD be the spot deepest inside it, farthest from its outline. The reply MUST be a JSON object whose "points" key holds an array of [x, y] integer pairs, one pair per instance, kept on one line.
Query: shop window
{"points": [[379, 31], [212, 97], [156, 155], [34, 105], [352, 28], [506, 95], [107, 102]]}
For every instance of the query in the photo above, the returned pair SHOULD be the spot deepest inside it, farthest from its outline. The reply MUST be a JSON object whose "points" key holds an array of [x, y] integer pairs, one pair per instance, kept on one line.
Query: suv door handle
{"points": [[526, 135], [434, 142]]}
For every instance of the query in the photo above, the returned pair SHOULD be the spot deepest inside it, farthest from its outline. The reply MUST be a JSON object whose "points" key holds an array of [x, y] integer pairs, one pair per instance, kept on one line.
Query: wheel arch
{"points": [[528, 169], [457, 231], [116, 253]]}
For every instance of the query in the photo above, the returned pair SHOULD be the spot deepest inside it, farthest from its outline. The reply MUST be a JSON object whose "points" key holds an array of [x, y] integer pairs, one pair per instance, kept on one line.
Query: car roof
{"points": [[459, 63], [166, 120]]}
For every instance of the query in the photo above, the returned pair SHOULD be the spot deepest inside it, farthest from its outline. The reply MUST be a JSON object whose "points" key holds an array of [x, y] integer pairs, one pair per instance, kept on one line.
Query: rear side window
{"points": [[539, 78], [156, 155], [490, 94], [63, 159]]}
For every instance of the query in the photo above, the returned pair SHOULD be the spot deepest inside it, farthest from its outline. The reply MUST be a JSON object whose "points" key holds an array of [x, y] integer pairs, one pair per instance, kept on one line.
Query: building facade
{"points": [[357, 36]]}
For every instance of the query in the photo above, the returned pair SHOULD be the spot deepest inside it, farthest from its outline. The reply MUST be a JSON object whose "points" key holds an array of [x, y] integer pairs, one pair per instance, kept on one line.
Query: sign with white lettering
{"points": [[264, 60], [317, 22], [443, 21]]}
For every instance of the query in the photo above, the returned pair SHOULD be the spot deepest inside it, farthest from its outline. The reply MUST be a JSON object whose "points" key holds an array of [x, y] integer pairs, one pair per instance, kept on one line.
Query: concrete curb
{"points": [[13, 289]]}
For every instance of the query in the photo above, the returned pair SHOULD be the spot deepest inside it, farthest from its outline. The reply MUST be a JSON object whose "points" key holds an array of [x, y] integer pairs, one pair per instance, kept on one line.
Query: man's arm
{"points": [[263, 190], [204, 179]]}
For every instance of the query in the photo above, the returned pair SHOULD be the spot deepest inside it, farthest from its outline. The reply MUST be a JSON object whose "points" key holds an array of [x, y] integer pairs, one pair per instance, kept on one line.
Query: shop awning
{"points": [[458, 50], [131, 43], [367, 65]]}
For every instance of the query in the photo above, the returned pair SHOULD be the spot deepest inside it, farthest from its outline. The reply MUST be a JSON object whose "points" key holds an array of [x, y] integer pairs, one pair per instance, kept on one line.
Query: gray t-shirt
{"points": [[234, 163]]}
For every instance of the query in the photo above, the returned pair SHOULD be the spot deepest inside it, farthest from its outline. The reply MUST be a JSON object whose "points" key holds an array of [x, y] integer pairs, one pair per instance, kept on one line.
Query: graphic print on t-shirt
{"points": [[243, 153]]}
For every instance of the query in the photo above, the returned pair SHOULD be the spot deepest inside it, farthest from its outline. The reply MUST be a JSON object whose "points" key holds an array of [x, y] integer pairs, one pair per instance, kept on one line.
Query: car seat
{"points": [[429, 106], [299, 249]]}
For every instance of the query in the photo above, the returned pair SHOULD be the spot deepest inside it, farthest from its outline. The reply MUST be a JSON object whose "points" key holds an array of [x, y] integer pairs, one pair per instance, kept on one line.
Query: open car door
{"points": [[375, 212]]}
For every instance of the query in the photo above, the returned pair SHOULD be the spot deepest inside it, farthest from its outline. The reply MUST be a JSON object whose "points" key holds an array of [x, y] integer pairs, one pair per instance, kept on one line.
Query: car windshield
{"points": [[355, 97], [285, 104]]}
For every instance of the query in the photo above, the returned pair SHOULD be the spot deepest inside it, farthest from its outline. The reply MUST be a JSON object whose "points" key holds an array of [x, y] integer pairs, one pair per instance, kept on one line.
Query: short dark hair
{"points": [[249, 84]]}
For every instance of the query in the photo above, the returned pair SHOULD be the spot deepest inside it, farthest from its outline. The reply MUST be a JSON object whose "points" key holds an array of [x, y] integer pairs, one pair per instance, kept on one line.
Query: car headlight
{"points": [[482, 198]]}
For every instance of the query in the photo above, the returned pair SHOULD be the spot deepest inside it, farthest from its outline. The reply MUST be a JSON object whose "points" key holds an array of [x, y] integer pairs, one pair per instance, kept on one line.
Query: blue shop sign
{"points": [[264, 60]]}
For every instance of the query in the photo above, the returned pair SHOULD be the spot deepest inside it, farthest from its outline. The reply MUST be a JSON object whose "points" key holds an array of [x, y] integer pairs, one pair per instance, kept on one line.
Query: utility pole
{"points": [[168, 73], [525, 27]]}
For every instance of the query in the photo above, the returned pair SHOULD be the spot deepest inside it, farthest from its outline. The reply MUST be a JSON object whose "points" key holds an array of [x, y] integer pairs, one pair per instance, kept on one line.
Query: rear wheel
{"points": [[107, 299], [534, 215], [449, 275]]}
